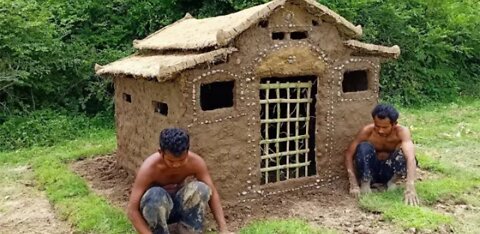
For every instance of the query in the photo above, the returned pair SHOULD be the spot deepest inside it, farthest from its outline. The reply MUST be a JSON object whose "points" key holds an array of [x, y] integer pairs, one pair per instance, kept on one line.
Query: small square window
{"points": [[278, 35], [263, 23], [298, 35], [160, 107], [127, 97], [216, 95], [355, 81]]}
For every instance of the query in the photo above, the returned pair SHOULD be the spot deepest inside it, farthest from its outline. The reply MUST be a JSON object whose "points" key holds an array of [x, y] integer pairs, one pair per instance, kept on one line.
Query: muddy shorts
{"points": [[370, 168], [186, 206]]}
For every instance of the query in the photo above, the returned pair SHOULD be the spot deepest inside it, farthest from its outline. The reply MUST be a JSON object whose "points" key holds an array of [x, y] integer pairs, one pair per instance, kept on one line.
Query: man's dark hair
{"points": [[383, 111], [175, 140]]}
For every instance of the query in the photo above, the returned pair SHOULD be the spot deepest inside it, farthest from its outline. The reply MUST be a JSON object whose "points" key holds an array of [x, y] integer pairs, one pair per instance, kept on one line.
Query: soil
{"points": [[328, 206], [24, 209]]}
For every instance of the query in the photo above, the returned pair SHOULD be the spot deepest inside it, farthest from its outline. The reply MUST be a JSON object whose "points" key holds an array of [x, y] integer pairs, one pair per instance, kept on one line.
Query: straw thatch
{"points": [[362, 48], [160, 67], [190, 33]]}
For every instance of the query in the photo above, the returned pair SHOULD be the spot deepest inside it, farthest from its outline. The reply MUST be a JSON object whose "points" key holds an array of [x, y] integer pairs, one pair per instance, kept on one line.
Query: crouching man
{"points": [[161, 195], [382, 152]]}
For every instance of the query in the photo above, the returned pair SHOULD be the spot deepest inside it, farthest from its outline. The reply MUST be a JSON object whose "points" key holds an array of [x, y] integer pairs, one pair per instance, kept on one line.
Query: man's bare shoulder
{"points": [[149, 163], [195, 157], [367, 129], [402, 131]]}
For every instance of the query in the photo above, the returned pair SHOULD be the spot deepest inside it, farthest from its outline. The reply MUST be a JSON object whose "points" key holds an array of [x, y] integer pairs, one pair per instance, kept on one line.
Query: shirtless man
{"points": [[383, 152], [161, 195]]}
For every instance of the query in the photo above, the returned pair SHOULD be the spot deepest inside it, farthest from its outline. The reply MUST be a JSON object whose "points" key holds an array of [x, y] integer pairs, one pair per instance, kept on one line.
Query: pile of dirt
{"points": [[106, 178]]}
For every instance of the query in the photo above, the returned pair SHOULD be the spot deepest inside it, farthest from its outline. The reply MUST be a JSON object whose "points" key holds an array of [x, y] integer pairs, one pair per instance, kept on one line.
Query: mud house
{"points": [[271, 95]]}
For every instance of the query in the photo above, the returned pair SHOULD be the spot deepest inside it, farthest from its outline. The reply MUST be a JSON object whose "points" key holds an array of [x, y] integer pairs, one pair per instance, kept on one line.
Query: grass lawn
{"points": [[447, 143]]}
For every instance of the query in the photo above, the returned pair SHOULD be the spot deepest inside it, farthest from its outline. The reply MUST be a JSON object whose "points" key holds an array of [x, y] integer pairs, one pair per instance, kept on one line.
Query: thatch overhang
{"points": [[361, 48], [161, 67]]}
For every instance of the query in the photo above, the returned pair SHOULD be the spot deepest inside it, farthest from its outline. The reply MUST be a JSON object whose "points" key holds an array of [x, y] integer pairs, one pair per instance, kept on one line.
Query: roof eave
{"points": [[392, 52]]}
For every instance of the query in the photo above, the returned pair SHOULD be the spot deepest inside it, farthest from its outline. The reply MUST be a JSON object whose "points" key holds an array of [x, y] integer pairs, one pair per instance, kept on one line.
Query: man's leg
{"points": [[396, 168], [156, 205], [191, 201], [365, 157]]}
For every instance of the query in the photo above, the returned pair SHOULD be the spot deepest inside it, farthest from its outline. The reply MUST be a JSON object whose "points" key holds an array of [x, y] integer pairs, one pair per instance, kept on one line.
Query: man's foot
{"points": [[365, 187], [184, 229], [391, 184]]}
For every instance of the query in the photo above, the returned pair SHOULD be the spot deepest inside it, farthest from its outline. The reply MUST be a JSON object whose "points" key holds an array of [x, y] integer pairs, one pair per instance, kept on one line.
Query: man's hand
{"points": [[411, 196], [354, 190]]}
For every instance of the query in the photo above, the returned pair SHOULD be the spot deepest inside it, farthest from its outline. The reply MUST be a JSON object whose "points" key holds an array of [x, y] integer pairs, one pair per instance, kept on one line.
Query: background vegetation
{"points": [[48, 48]]}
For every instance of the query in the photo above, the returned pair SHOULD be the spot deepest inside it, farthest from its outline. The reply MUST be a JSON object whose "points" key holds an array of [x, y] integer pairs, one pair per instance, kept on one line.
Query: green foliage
{"points": [[28, 47], [291, 226], [439, 40], [47, 127], [49, 47]]}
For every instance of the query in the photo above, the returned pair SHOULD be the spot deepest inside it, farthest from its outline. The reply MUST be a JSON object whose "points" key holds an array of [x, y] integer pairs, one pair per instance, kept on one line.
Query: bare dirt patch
{"points": [[24, 209], [466, 210], [106, 178], [328, 206]]}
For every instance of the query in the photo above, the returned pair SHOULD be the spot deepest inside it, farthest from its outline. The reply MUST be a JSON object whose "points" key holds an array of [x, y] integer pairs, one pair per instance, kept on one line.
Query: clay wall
{"points": [[228, 138], [137, 124]]}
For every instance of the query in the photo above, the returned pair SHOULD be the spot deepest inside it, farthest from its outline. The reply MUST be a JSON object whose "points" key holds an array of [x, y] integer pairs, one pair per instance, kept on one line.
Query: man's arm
{"points": [[409, 153], [362, 135], [142, 181], [214, 203]]}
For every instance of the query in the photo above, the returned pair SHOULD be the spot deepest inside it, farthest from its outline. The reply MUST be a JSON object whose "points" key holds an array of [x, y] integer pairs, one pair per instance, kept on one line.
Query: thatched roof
{"points": [[160, 67], [189, 41], [190, 33], [362, 48]]}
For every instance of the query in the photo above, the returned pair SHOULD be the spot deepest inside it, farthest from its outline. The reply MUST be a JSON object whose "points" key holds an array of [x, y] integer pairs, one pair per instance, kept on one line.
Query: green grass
{"points": [[291, 226], [446, 139], [48, 128], [69, 193]]}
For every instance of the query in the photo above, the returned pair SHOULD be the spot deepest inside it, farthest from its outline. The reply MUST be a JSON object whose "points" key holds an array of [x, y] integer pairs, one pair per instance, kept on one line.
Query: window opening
{"points": [[355, 81], [298, 35], [263, 23], [127, 97], [216, 95], [160, 107], [278, 35]]}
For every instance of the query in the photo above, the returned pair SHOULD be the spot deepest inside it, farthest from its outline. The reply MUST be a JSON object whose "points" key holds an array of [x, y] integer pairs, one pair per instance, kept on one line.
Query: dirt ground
{"points": [[24, 209], [328, 206]]}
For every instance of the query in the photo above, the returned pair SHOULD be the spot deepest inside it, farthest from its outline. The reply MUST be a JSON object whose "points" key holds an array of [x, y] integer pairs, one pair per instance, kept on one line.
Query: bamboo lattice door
{"points": [[287, 128]]}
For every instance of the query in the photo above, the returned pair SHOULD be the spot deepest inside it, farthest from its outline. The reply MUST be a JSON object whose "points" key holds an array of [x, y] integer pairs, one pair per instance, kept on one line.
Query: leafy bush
{"points": [[47, 127], [440, 43], [49, 47]]}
